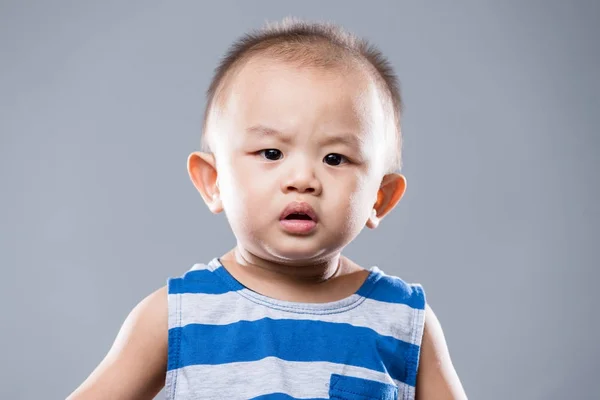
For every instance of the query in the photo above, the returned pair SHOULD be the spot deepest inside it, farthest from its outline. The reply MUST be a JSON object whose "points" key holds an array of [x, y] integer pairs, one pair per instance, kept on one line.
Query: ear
{"points": [[389, 194], [203, 173]]}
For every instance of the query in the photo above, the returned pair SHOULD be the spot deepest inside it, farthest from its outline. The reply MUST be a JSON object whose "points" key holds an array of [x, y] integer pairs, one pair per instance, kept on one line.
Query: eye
{"points": [[335, 159], [271, 154]]}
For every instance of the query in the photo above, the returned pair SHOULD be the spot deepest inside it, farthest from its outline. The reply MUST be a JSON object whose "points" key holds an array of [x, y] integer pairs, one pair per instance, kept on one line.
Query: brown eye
{"points": [[271, 154], [334, 159]]}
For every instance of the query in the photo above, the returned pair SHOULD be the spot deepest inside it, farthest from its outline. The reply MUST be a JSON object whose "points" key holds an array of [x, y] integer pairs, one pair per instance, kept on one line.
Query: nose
{"points": [[301, 178]]}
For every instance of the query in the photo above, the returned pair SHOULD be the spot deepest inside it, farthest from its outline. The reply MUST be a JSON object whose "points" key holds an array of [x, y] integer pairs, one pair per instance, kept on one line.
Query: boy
{"points": [[301, 141]]}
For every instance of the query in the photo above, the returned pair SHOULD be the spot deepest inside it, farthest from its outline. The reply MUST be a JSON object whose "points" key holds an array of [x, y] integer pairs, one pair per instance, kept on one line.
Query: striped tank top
{"points": [[229, 342]]}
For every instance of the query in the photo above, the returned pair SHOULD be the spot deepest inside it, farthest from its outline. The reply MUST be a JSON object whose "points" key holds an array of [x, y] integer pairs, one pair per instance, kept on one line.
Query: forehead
{"points": [[294, 97]]}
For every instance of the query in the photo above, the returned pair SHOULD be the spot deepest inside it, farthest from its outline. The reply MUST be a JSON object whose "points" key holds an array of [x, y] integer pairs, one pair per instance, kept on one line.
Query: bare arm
{"points": [[135, 366], [436, 378]]}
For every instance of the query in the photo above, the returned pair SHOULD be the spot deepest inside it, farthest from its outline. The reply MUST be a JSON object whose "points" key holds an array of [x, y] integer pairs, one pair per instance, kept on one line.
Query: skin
{"points": [[312, 135]]}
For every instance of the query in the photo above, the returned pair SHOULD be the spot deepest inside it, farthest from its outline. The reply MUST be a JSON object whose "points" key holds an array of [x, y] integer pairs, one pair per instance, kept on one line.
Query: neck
{"points": [[307, 272]]}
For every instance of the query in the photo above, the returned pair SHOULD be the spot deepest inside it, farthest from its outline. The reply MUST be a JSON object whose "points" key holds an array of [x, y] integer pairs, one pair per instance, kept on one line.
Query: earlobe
{"points": [[203, 173], [390, 192], [373, 221]]}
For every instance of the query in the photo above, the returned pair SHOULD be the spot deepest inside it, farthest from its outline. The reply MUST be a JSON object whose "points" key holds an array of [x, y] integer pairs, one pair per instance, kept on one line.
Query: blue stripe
{"points": [[377, 287], [280, 396], [395, 290], [340, 386], [293, 340], [200, 281], [173, 354]]}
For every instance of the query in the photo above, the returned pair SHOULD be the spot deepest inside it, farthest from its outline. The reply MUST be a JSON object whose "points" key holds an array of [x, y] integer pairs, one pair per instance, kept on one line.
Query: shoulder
{"points": [[393, 289], [436, 378], [135, 365], [200, 278]]}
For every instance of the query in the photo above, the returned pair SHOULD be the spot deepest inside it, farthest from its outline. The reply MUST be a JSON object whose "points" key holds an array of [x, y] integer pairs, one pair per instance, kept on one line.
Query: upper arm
{"points": [[135, 367], [436, 377]]}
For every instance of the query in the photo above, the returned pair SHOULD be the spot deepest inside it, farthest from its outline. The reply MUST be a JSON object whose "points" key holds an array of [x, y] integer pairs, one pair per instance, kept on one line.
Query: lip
{"points": [[298, 226], [299, 207]]}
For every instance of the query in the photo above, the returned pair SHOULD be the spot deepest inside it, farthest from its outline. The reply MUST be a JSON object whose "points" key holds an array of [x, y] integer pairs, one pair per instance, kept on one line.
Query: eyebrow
{"points": [[348, 140], [265, 131]]}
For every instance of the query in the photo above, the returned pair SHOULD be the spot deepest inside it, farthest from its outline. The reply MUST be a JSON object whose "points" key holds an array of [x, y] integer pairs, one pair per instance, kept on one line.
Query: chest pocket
{"points": [[351, 388]]}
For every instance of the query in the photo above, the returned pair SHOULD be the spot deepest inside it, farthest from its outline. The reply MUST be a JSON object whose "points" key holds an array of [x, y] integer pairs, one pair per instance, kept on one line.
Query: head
{"points": [[301, 114]]}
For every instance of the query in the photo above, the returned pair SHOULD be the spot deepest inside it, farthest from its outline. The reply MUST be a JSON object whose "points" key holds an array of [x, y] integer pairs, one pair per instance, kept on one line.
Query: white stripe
{"points": [[388, 319], [199, 266], [269, 375]]}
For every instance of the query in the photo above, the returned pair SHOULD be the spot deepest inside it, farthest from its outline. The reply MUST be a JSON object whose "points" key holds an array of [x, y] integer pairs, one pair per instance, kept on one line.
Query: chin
{"points": [[296, 252]]}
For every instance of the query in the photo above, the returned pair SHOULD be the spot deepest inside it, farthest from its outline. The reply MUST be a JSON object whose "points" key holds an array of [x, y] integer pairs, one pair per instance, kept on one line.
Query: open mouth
{"points": [[301, 211], [298, 216]]}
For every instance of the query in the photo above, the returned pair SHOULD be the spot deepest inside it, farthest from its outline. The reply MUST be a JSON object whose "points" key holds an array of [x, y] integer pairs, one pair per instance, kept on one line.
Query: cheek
{"points": [[356, 203], [361, 209], [241, 191]]}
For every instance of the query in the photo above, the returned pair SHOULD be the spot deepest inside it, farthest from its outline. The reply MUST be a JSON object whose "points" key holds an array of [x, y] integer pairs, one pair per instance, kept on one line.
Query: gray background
{"points": [[101, 103]]}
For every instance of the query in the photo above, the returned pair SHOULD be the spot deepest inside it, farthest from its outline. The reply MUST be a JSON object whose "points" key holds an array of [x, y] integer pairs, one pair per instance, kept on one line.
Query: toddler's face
{"points": [[304, 141]]}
